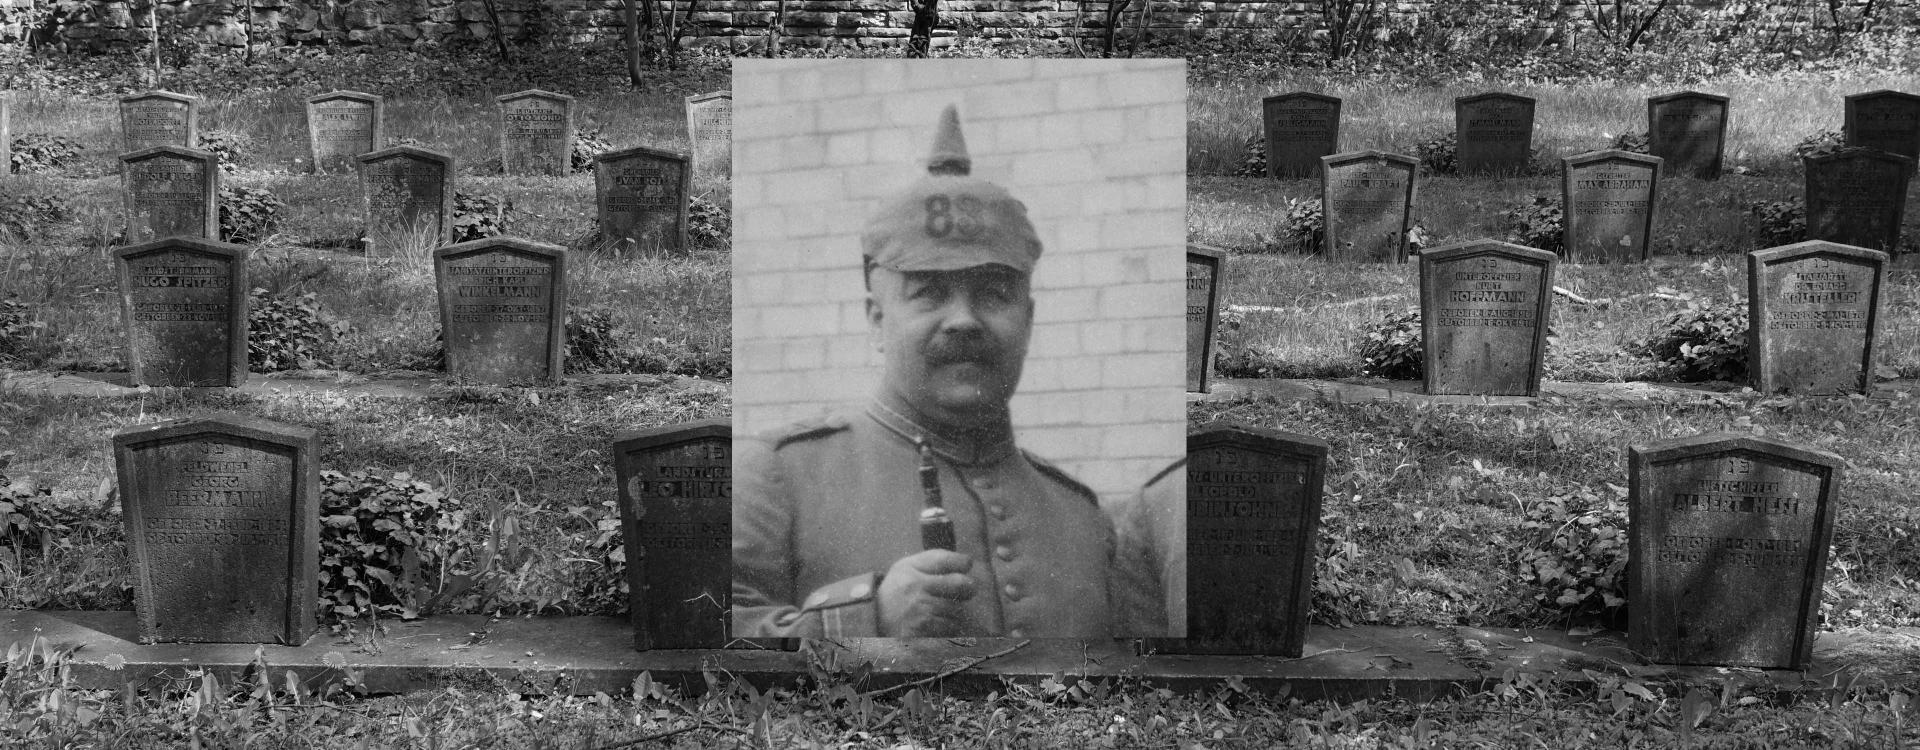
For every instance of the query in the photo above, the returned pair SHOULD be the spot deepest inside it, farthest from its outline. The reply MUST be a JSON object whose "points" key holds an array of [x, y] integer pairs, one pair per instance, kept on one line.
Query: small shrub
{"points": [[30, 520], [1781, 222], [586, 145], [596, 343], [1392, 348], [1580, 563], [1439, 154], [1705, 341], [228, 147], [1819, 144], [287, 333], [1538, 224], [1639, 143], [43, 152], [707, 223], [1255, 163], [248, 215], [1303, 225], [24, 215], [18, 327], [478, 216], [380, 537]]}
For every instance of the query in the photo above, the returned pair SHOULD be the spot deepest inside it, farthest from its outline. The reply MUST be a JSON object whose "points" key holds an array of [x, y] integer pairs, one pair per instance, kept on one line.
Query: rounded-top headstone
{"points": [[342, 125], [1857, 196], [1484, 310], [1884, 120], [1493, 133], [503, 310], [1689, 130], [171, 191], [407, 196], [1728, 537], [536, 132], [676, 510], [1367, 200], [222, 518], [159, 118], [1813, 317], [1301, 127], [1610, 200], [642, 196], [1204, 264], [183, 301]]}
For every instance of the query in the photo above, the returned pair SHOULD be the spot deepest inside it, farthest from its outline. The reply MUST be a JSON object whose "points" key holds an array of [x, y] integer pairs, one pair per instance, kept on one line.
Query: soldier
{"points": [[915, 514]]}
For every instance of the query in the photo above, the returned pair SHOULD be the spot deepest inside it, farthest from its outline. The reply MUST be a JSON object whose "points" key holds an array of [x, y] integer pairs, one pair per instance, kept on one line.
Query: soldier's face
{"points": [[954, 340]]}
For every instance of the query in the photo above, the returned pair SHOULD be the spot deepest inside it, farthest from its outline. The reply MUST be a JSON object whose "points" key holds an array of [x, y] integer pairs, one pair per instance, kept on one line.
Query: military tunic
{"points": [[822, 509]]}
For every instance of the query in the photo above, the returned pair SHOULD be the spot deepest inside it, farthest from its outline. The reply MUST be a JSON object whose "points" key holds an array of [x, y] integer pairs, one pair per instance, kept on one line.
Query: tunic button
{"points": [[1013, 592], [998, 511], [985, 483], [1004, 553]]}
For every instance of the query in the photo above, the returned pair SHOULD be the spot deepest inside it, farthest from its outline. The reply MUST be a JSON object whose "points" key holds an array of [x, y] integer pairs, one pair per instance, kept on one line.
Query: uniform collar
{"points": [[960, 445]]}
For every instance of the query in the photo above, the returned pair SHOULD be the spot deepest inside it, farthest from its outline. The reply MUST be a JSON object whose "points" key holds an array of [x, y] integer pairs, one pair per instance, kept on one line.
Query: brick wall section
{"points": [[737, 24], [1096, 149]]}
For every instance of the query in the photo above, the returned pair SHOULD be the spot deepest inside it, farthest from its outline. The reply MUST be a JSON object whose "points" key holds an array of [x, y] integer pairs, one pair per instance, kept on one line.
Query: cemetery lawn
{"points": [[530, 468], [629, 314]]}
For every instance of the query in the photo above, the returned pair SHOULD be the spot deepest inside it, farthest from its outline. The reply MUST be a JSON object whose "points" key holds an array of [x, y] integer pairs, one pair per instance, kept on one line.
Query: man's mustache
{"points": [[947, 351]]}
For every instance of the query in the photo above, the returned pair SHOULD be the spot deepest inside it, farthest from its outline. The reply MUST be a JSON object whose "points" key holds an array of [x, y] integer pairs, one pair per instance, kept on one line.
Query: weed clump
{"points": [[379, 538], [1393, 348], [1820, 143], [1255, 162], [43, 152], [1539, 224], [1439, 154], [1302, 228], [586, 145], [25, 215], [1706, 341], [248, 215], [478, 216], [1638, 143], [228, 147], [1781, 222], [287, 333], [707, 223], [18, 326], [1580, 559]]}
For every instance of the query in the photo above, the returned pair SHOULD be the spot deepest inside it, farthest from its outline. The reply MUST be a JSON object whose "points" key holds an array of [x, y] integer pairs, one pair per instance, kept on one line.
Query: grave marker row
{"points": [[710, 128], [536, 132], [1884, 121], [1857, 196], [1728, 538], [1689, 131], [342, 125], [159, 118]]}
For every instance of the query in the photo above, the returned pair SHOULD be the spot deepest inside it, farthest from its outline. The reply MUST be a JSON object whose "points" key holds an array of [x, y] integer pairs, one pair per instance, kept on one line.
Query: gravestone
{"points": [[1253, 524], [222, 519], [1493, 133], [1609, 199], [1366, 199], [1884, 121], [342, 125], [1812, 317], [159, 118], [676, 510], [1203, 309], [183, 301], [1483, 315], [1301, 128], [171, 192], [1728, 549], [643, 198], [407, 196], [1689, 131], [710, 129], [503, 310], [1857, 197], [536, 132]]}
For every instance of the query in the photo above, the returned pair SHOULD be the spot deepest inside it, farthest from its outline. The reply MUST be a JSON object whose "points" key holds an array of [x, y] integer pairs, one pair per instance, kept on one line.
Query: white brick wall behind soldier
{"points": [[1096, 150]]}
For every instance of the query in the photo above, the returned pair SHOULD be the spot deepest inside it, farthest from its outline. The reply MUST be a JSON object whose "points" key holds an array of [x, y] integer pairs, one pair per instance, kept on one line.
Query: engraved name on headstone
{"points": [[1203, 309], [1609, 199], [710, 129], [1728, 549], [159, 118], [222, 519], [1253, 525], [1884, 121], [1301, 127], [407, 197], [171, 191], [342, 125], [184, 304], [1689, 131], [1812, 317], [676, 510], [503, 310], [1493, 133], [1483, 311], [1366, 198], [1857, 197], [643, 198], [536, 132]]}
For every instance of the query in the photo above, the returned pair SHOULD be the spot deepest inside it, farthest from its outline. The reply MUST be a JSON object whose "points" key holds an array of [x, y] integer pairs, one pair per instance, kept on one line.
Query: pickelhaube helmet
{"points": [[950, 220]]}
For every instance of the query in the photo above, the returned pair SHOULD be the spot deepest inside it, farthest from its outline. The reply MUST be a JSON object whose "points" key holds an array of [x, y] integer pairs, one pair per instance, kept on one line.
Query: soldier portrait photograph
{"points": [[958, 347]]}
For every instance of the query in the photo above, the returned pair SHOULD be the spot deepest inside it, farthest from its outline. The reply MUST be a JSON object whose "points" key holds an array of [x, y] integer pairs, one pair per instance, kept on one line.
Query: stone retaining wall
{"points": [[736, 24]]}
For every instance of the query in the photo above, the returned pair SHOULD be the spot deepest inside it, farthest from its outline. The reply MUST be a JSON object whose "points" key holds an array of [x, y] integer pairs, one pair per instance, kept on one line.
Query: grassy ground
{"points": [[830, 711], [671, 311]]}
